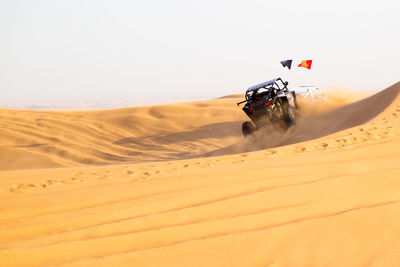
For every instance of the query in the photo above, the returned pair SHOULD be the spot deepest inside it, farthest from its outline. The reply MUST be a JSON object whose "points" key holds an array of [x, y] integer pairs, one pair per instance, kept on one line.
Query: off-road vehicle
{"points": [[269, 102]]}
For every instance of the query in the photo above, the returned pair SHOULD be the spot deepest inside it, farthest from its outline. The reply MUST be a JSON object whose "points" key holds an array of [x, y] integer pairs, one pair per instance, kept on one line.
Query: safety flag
{"points": [[305, 64], [287, 63]]}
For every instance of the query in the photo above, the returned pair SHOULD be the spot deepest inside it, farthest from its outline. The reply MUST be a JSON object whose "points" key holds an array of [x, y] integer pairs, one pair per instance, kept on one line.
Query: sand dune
{"points": [[123, 135], [329, 196], [312, 127], [44, 139]]}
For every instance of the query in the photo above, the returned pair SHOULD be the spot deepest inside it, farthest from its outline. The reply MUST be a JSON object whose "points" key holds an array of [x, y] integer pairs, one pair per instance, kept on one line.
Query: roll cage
{"points": [[264, 88]]}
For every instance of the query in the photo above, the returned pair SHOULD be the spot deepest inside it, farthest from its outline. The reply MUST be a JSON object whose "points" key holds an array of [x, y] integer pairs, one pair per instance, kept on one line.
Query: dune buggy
{"points": [[269, 102]]}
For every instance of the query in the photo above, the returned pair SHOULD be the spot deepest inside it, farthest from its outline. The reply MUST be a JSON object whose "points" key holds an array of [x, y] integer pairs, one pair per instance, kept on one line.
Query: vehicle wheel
{"points": [[288, 115], [295, 100], [247, 128]]}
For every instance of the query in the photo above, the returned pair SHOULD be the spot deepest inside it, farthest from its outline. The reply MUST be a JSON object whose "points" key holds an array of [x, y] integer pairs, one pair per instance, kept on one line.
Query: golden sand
{"points": [[177, 185]]}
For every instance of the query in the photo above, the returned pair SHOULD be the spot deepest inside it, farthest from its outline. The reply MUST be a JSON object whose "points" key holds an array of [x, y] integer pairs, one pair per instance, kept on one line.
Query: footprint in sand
{"points": [[299, 149], [150, 173], [19, 188], [50, 182], [129, 172], [388, 133], [13, 189], [146, 175], [103, 177], [72, 180], [75, 180], [203, 164], [270, 152]]}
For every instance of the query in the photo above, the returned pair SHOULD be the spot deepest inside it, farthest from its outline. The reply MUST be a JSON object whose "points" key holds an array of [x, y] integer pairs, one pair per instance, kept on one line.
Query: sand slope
{"points": [[318, 125], [328, 201], [40, 139]]}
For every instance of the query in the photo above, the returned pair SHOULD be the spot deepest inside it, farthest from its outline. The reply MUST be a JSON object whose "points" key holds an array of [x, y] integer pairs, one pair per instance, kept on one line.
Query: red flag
{"points": [[305, 64]]}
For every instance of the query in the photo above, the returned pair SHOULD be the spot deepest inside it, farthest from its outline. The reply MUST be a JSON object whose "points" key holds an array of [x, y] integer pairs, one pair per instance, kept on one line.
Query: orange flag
{"points": [[305, 64]]}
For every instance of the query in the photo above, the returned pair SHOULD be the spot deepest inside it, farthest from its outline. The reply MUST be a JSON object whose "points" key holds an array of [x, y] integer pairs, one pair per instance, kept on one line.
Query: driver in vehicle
{"points": [[254, 95]]}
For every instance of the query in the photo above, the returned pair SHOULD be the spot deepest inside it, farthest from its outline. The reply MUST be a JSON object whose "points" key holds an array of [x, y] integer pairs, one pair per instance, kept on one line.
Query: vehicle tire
{"points": [[295, 100], [247, 128], [288, 115]]}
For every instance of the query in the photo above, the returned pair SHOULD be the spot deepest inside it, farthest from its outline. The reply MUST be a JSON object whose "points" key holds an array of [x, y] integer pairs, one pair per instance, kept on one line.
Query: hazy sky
{"points": [[77, 52]]}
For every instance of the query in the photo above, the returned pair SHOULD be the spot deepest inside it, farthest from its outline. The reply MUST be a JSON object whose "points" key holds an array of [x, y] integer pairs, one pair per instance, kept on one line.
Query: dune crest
{"points": [[314, 123]]}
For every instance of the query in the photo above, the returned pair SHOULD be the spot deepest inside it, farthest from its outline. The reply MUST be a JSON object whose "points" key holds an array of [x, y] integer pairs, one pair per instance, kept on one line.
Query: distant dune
{"points": [[231, 96], [178, 185]]}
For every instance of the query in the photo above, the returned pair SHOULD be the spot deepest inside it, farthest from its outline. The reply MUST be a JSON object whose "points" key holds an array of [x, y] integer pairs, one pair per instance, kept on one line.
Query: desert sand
{"points": [[177, 185]]}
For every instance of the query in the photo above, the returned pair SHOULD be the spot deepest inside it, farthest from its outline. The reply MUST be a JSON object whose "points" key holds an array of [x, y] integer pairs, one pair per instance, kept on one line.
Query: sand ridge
{"points": [[328, 201], [317, 125]]}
